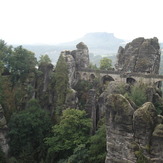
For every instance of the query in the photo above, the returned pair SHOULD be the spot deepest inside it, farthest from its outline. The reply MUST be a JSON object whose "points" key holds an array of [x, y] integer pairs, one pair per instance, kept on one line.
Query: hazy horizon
{"points": [[56, 21]]}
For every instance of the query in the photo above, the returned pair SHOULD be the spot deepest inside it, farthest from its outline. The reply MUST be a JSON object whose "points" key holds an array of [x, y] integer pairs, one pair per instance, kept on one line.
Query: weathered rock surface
{"points": [[43, 92], [133, 135], [140, 55], [3, 132], [76, 59], [157, 144], [144, 122], [91, 108], [120, 140]]}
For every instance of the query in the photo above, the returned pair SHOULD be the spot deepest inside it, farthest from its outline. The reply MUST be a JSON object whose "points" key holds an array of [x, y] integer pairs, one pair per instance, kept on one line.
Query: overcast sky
{"points": [[55, 21]]}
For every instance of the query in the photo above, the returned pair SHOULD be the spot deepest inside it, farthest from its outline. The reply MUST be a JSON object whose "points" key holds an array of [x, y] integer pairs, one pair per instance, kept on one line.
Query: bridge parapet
{"points": [[123, 76]]}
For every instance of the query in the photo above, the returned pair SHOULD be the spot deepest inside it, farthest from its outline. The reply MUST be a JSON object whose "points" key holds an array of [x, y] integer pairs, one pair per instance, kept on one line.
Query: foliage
{"points": [[82, 88], [80, 154], [93, 66], [105, 63], [138, 94], [97, 149], [5, 53], [72, 131], [159, 107], [44, 59], [21, 63], [2, 156], [28, 128], [61, 83]]}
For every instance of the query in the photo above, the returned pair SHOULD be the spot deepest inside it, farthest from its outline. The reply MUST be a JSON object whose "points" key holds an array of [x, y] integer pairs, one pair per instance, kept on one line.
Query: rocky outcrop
{"points": [[141, 56], [3, 132], [91, 108], [43, 92], [120, 135], [133, 135], [75, 60]]}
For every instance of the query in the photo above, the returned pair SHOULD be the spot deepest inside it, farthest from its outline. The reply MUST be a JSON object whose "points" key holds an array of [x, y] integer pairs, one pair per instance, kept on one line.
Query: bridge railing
{"points": [[122, 73]]}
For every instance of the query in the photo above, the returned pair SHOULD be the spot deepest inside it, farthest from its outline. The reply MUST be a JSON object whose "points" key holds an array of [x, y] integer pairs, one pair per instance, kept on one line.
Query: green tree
{"points": [[5, 53], [73, 130], [61, 83], [44, 59], [2, 156], [97, 149], [28, 129], [80, 154], [138, 94], [21, 63], [105, 63]]}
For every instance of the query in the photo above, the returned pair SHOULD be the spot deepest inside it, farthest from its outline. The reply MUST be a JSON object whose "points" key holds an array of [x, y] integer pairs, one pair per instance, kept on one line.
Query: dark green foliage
{"points": [[72, 131], [28, 128], [61, 83], [138, 94], [97, 149], [159, 107], [44, 59], [5, 53], [2, 156], [80, 154], [21, 62], [82, 88]]}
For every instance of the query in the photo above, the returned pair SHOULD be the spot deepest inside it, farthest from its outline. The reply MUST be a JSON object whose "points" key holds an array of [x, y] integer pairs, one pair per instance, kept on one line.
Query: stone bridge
{"points": [[104, 76]]}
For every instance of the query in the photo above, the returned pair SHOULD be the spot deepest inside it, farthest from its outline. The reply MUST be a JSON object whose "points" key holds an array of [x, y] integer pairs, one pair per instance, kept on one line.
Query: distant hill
{"points": [[99, 43]]}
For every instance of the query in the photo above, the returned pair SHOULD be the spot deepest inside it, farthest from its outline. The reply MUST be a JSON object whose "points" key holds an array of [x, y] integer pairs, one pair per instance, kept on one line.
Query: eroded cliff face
{"points": [[132, 135], [141, 55]]}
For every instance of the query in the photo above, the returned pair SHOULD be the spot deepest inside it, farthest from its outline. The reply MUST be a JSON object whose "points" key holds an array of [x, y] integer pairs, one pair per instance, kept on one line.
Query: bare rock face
{"points": [[157, 144], [91, 108], [132, 135], [144, 122], [71, 66], [81, 56], [140, 55], [119, 130], [3, 132], [75, 60]]}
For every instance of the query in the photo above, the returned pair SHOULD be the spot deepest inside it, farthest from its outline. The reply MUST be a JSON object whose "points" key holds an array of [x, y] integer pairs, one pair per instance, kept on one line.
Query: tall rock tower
{"points": [[141, 56]]}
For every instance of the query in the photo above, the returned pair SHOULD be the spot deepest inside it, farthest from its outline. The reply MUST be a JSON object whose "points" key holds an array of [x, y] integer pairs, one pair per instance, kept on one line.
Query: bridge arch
{"points": [[130, 80], [78, 75], [158, 84], [84, 76], [92, 77], [106, 79]]}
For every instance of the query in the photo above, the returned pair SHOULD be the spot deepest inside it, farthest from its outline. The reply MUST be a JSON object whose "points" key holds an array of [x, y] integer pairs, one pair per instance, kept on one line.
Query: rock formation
{"points": [[132, 135], [76, 59], [141, 55]]}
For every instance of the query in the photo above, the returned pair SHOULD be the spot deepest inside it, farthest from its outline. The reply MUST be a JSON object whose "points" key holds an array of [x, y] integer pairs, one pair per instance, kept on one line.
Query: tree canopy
{"points": [[44, 59], [28, 128], [72, 131], [105, 63]]}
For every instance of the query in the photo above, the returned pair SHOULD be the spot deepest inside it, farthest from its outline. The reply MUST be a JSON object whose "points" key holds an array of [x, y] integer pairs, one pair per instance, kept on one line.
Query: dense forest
{"points": [[38, 115], [40, 126]]}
